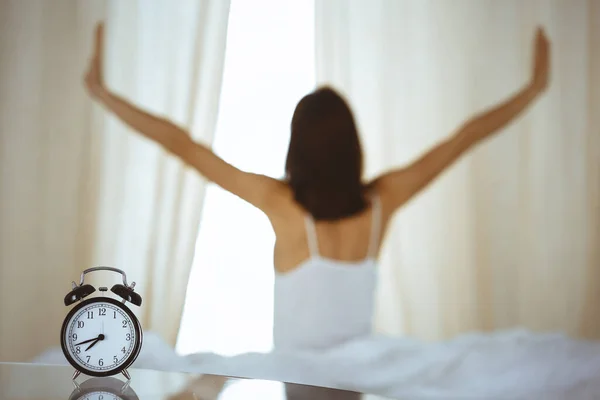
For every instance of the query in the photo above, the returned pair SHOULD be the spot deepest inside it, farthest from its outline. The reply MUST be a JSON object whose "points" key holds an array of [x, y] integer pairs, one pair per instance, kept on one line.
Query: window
{"points": [[269, 66]]}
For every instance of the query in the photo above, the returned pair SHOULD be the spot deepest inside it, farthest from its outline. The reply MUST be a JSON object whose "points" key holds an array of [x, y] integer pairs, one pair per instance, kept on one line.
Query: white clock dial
{"points": [[101, 336]]}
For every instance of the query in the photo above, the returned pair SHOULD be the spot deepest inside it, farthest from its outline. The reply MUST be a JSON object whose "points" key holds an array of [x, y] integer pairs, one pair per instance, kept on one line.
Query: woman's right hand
{"points": [[94, 77], [541, 61]]}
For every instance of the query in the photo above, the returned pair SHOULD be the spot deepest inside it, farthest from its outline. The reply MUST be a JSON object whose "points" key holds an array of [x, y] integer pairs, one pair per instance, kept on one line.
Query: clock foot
{"points": [[76, 374], [126, 374]]}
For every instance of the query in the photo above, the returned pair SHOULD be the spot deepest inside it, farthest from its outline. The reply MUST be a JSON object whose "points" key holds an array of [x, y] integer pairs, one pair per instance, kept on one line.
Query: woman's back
{"points": [[325, 281]]}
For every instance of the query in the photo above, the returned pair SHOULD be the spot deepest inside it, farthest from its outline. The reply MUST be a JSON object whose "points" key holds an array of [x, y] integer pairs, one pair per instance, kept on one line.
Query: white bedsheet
{"points": [[505, 365]]}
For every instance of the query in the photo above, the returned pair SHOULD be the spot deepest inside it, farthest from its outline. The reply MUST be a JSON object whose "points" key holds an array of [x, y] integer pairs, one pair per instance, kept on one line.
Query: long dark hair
{"points": [[325, 162]]}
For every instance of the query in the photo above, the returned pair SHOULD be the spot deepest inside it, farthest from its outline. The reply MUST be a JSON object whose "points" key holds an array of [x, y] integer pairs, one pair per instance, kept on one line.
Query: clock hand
{"points": [[92, 345], [99, 338], [85, 341]]}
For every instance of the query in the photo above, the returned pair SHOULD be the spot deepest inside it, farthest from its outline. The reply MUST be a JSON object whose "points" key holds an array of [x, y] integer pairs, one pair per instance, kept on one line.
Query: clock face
{"points": [[101, 337]]}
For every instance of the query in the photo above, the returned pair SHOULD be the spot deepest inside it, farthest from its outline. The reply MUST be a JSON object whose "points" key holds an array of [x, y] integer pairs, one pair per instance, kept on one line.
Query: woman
{"points": [[328, 222]]}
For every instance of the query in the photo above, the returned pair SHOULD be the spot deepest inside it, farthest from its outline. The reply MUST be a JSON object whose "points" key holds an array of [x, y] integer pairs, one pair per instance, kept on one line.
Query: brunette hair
{"points": [[325, 162]]}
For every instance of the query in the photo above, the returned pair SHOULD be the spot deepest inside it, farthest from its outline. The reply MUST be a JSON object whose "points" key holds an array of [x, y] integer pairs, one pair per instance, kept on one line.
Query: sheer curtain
{"points": [[166, 57], [269, 66], [77, 188], [46, 167], [509, 236]]}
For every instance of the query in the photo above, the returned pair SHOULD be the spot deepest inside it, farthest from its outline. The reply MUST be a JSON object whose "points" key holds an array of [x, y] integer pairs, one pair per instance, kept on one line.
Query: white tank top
{"points": [[324, 302]]}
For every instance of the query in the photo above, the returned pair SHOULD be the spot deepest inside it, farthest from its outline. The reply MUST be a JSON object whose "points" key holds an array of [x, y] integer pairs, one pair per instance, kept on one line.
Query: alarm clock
{"points": [[103, 389], [101, 336]]}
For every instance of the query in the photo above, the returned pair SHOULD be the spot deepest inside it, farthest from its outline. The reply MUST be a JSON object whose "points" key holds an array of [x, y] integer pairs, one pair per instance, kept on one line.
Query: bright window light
{"points": [[269, 66]]}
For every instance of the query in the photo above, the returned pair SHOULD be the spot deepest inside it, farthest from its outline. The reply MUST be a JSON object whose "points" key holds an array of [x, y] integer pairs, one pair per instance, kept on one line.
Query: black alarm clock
{"points": [[103, 389], [101, 336]]}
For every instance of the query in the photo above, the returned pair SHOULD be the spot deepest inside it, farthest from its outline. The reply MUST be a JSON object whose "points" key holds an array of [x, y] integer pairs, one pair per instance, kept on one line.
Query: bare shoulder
{"points": [[280, 204], [385, 188]]}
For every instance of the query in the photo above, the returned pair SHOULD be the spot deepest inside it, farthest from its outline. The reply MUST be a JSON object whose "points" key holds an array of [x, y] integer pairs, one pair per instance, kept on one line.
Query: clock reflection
{"points": [[103, 389]]}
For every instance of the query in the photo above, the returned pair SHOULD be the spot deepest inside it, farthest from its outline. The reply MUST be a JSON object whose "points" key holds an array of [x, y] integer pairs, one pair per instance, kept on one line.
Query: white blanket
{"points": [[509, 364]]}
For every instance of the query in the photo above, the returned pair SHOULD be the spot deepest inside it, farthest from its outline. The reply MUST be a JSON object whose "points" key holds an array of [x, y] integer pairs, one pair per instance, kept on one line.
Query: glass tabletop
{"points": [[35, 381]]}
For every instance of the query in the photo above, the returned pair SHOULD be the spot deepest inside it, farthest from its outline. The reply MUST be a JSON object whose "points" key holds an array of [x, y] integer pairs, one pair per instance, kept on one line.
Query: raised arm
{"points": [[259, 190], [398, 186]]}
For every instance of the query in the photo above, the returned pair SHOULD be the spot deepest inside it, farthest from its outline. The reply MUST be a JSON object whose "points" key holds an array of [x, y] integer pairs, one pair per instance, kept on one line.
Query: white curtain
{"points": [[77, 188], [510, 236]]}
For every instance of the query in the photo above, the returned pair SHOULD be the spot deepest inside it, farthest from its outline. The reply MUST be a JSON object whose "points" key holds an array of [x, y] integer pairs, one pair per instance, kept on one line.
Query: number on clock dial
{"points": [[100, 336]]}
